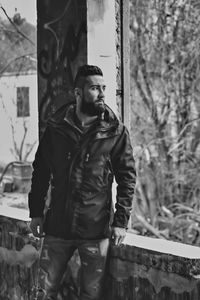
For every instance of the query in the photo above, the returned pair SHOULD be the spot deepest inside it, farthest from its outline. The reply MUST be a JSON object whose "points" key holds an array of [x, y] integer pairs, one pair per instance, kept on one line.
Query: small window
{"points": [[23, 109]]}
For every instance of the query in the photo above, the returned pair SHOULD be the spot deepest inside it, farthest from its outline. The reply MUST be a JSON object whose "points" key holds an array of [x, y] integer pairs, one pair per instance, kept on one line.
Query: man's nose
{"points": [[101, 92]]}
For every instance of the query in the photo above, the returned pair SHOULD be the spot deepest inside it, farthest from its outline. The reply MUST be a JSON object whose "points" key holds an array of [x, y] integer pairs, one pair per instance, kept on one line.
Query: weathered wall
{"points": [[18, 260], [19, 254], [142, 274], [62, 47], [135, 270]]}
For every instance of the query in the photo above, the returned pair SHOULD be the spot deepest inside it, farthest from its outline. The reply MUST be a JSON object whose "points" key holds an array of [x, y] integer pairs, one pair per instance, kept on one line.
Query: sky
{"points": [[27, 9]]}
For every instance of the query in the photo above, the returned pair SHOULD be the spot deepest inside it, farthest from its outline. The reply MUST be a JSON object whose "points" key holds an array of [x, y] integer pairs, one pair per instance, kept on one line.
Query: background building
{"points": [[18, 116]]}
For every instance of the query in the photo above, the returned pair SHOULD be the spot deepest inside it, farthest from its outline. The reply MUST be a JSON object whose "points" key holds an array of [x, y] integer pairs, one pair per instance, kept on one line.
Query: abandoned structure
{"points": [[71, 33]]}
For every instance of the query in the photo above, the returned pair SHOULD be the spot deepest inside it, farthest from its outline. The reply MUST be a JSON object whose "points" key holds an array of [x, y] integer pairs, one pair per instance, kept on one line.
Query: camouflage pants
{"points": [[54, 258]]}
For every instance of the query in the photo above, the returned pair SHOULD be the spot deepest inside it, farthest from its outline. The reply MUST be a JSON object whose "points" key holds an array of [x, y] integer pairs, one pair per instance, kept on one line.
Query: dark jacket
{"points": [[80, 168]]}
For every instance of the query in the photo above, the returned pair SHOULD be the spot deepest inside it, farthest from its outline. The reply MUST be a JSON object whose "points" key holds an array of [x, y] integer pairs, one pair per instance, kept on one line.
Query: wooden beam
{"points": [[125, 62]]}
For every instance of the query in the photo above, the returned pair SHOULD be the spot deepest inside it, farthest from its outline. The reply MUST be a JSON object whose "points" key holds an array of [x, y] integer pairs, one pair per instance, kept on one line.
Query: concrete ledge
{"points": [[19, 253], [146, 268], [14, 213], [142, 268], [25, 257], [163, 246], [15, 206]]}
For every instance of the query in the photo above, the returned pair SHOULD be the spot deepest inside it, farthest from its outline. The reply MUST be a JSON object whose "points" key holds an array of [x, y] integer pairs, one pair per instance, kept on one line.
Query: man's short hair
{"points": [[83, 72]]}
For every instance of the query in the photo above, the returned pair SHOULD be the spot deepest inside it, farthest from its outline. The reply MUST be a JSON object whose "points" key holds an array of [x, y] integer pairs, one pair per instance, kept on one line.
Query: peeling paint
{"points": [[122, 270], [25, 257], [97, 10]]}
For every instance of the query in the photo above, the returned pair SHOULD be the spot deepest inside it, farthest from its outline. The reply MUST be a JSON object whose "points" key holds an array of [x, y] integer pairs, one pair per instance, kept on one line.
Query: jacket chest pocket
{"points": [[96, 170], [95, 167]]}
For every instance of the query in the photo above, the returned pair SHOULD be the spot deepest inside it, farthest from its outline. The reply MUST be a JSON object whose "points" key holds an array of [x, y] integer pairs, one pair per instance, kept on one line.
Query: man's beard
{"points": [[93, 109]]}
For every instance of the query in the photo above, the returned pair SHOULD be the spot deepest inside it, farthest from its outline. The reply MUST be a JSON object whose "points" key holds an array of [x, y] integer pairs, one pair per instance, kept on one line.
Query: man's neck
{"points": [[85, 119]]}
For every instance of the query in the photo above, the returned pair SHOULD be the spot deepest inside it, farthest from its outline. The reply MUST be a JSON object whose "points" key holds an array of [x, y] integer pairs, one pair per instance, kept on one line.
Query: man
{"points": [[83, 147]]}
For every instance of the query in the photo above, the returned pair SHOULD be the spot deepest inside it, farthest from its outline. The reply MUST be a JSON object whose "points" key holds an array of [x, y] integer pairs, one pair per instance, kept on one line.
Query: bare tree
{"points": [[165, 62], [21, 149]]}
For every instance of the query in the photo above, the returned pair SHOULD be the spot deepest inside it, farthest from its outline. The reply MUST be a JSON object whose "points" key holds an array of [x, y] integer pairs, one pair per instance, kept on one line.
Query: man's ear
{"points": [[77, 92]]}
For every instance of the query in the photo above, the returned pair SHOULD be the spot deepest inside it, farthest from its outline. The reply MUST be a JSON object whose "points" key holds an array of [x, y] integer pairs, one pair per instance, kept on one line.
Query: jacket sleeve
{"points": [[125, 175], [40, 179]]}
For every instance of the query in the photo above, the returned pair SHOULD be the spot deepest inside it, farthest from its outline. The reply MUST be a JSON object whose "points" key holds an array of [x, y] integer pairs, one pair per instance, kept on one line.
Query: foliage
{"points": [[165, 63], [18, 53]]}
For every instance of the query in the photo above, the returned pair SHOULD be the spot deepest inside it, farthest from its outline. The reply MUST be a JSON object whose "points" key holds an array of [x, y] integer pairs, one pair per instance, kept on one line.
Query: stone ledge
{"points": [[168, 256], [141, 268], [15, 206], [14, 213], [163, 246], [18, 256], [145, 268]]}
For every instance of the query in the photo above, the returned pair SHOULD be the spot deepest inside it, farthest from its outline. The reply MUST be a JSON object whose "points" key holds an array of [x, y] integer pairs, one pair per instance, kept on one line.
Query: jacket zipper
{"points": [[68, 195]]}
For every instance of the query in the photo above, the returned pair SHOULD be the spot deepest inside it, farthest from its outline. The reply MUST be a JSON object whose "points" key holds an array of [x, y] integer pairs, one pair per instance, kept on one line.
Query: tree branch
{"points": [[28, 55], [16, 27]]}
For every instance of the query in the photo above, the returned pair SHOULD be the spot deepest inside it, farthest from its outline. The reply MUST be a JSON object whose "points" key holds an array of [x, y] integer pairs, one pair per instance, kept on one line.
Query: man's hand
{"points": [[36, 227], [118, 235]]}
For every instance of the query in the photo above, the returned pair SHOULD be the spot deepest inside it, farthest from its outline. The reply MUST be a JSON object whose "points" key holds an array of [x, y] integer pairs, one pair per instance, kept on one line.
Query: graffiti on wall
{"points": [[55, 60]]}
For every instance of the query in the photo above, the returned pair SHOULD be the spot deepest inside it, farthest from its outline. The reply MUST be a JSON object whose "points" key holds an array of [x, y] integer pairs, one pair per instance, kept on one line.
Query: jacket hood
{"points": [[66, 113]]}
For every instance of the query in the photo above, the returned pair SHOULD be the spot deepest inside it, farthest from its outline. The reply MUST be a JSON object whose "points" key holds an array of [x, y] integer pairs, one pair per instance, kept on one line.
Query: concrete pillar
{"points": [[101, 43], [62, 47], [70, 34]]}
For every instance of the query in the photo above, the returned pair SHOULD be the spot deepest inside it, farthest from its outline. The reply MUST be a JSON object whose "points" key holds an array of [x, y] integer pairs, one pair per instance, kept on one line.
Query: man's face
{"points": [[93, 96]]}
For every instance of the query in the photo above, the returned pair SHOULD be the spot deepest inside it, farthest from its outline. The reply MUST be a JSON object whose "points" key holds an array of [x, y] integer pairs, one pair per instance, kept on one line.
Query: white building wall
{"points": [[101, 43], [8, 115], [101, 34]]}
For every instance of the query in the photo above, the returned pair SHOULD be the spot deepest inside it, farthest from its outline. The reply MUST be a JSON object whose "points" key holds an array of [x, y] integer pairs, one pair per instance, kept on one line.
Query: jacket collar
{"points": [[105, 125]]}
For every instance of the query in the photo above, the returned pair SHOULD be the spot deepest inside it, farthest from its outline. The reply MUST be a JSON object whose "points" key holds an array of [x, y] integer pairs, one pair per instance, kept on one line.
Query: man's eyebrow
{"points": [[91, 85]]}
